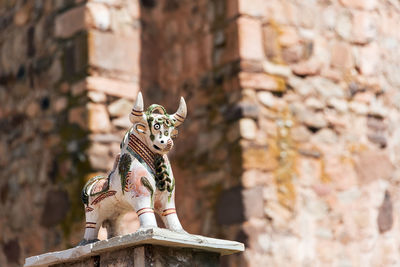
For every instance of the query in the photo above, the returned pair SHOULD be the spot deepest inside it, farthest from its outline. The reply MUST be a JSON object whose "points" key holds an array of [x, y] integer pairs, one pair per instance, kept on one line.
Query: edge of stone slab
{"points": [[154, 236], [71, 254], [165, 237]]}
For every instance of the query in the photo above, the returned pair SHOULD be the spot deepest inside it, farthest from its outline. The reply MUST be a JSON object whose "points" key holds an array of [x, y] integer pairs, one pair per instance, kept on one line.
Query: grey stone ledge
{"points": [[153, 236]]}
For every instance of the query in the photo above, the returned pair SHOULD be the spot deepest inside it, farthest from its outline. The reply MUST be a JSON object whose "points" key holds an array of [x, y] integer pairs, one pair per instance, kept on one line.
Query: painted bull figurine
{"points": [[141, 178]]}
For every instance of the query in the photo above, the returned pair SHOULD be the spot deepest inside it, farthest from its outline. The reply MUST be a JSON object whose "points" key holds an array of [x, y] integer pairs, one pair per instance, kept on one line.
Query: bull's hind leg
{"points": [[92, 226]]}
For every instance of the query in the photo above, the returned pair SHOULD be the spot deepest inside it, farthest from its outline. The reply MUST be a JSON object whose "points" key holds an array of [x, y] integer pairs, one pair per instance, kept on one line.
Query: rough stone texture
{"points": [[145, 247], [318, 132], [42, 141]]}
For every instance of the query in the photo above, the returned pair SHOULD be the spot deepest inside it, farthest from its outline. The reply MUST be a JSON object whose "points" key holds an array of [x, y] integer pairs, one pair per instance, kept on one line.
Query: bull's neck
{"points": [[139, 149]]}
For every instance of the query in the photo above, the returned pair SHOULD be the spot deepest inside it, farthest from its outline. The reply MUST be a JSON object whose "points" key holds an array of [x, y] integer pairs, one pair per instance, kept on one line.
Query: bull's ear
{"points": [[180, 115], [137, 114], [140, 128], [174, 133]]}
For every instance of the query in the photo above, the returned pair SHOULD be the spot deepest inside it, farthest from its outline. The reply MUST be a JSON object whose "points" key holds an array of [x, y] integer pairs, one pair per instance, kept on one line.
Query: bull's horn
{"points": [[180, 114], [137, 110]]}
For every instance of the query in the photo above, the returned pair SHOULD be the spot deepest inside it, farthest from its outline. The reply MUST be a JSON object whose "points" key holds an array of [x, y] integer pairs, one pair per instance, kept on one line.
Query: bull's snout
{"points": [[164, 144]]}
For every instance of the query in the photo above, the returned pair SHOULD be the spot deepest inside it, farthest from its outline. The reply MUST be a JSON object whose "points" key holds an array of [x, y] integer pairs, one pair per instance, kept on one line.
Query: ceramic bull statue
{"points": [[141, 178]]}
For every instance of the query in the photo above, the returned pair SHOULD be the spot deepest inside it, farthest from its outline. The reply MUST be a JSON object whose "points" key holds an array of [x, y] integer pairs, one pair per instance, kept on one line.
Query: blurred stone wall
{"points": [[323, 152], [291, 134], [42, 149]]}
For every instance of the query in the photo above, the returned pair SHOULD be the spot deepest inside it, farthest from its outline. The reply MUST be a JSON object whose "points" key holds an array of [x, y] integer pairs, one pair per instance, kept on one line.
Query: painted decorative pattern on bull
{"points": [[85, 191], [103, 196], [140, 149], [123, 168]]}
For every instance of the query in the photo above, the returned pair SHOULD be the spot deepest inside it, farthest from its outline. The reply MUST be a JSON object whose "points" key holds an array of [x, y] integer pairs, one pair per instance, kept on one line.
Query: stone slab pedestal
{"points": [[146, 247]]}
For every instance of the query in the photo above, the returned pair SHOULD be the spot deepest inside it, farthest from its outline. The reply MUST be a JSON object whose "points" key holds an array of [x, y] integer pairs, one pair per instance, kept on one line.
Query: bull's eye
{"points": [[157, 126]]}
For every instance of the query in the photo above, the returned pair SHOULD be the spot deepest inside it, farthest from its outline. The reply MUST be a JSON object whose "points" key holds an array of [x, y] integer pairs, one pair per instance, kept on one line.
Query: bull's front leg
{"points": [[144, 210], [168, 212]]}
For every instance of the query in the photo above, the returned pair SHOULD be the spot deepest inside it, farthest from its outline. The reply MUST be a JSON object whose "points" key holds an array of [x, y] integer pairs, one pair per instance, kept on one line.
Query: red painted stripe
{"points": [[103, 196], [180, 116], [145, 157], [146, 212], [142, 145], [144, 209], [169, 209]]}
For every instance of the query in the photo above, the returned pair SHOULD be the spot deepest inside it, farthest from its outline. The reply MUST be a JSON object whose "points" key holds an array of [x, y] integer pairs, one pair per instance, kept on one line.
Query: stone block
{"points": [[359, 4], [12, 250], [97, 97], [369, 59], [385, 214], [305, 68], [364, 28], [98, 155], [114, 52], [275, 69], [253, 202], [344, 24], [98, 118], [373, 165], [242, 110], [271, 45], [250, 39], [288, 36], [120, 107], [229, 51], [253, 8], [261, 81], [122, 122], [74, 58], [23, 14], [78, 115], [112, 87], [57, 201], [230, 208], [70, 22], [259, 158], [248, 128], [98, 16], [342, 56], [340, 172]]}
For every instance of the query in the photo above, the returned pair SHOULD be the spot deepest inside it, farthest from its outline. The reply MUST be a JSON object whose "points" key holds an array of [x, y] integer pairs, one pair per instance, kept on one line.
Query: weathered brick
{"points": [[373, 165], [342, 56], [98, 16], [250, 39], [70, 22], [98, 118], [112, 87], [385, 215], [254, 8], [359, 4], [260, 81], [364, 27], [369, 59], [78, 115], [114, 53]]}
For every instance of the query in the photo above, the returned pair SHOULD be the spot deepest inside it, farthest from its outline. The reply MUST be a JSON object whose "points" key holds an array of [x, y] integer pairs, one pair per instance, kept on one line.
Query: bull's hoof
{"points": [[85, 242], [181, 231]]}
